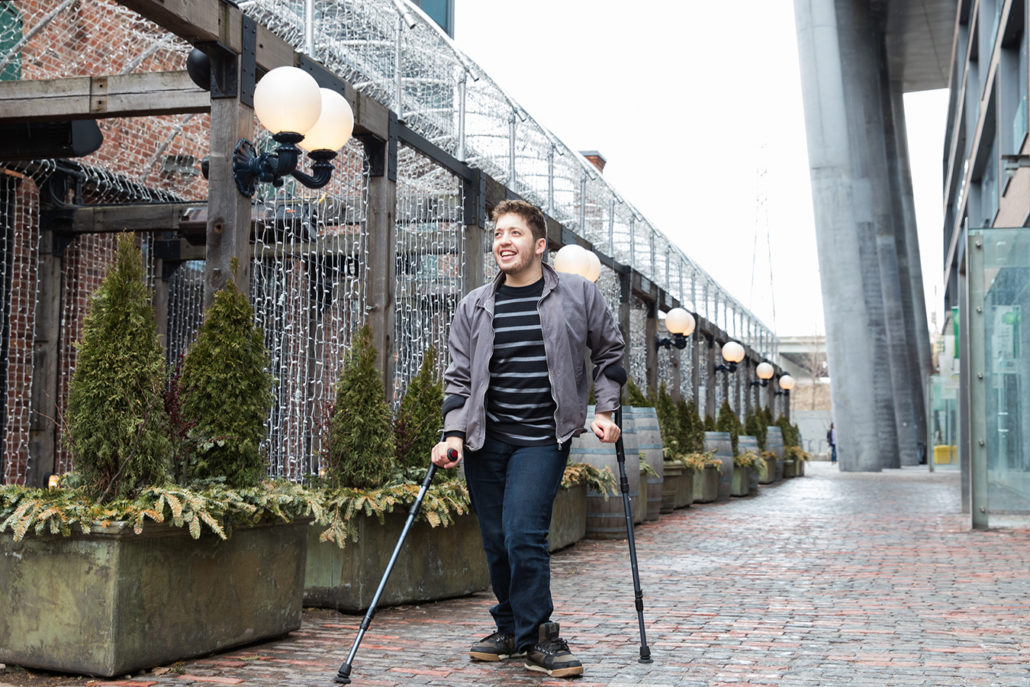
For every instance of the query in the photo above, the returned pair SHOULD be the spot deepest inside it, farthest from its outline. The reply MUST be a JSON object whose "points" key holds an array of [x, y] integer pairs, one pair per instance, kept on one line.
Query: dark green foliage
{"points": [[729, 422], [418, 419], [116, 419], [756, 425], [709, 424], [668, 420], [227, 393], [692, 429], [362, 448], [791, 433], [636, 398]]}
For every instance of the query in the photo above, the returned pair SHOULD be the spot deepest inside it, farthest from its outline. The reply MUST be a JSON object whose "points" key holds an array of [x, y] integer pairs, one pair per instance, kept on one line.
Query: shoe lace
{"points": [[556, 646]]}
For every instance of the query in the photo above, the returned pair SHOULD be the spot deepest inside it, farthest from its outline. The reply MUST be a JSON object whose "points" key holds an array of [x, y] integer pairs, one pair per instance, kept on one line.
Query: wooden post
{"points": [[380, 270], [45, 360], [710, 351], [651, 356], [228, 219]]}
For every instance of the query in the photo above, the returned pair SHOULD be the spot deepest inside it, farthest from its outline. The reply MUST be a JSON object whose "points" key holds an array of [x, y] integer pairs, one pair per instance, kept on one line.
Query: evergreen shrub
{"points": [[362, 449], [116, 421], [227, 393], [418, 418]]}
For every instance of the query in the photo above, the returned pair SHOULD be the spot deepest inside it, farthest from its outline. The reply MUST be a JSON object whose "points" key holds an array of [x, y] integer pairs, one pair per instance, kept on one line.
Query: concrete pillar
{"points": [[871, 129], [850, 349], [921, 358]]}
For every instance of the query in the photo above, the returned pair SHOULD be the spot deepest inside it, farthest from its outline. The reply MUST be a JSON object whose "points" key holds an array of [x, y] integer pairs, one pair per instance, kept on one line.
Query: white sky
{"points": [[688, 101]]}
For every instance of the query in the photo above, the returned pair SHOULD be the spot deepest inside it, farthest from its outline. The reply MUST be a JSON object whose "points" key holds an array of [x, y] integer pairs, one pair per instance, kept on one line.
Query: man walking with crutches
{"points": [[516, 394]]}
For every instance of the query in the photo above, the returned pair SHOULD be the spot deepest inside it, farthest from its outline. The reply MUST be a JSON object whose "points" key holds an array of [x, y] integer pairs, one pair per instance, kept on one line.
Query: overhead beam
{"points": [[97, 219], [96, 97]]}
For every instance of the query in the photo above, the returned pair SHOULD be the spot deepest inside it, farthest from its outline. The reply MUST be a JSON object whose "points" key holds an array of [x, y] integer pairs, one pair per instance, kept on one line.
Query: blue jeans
{"points": [[513, 490]]}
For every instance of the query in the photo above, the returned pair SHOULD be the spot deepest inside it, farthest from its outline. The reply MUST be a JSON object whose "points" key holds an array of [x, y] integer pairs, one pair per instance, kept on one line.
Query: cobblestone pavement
{"points": [[834, 578]]}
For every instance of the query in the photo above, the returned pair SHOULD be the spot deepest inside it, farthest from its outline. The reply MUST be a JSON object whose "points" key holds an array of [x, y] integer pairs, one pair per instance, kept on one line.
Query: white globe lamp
{"points": [[334, 126], [679, 321], [287, 99]]}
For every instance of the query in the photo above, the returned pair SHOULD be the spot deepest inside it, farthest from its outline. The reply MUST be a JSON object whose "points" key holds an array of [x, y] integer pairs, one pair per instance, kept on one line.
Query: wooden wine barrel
{"points": [[649, 444], [723, 447], [749, 443], [606, 518]]}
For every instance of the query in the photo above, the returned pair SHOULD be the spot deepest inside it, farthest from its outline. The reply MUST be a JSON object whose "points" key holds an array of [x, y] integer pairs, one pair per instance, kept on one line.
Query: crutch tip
{"points": [[343, 676], [645, 656]]}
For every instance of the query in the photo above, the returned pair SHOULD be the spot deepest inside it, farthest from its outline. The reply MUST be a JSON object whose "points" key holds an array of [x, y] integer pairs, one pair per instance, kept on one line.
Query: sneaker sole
{"points": [[481, 656], [556, 672]]}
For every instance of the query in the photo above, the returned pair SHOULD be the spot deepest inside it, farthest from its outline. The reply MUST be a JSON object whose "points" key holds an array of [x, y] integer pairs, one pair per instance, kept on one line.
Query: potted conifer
{"points": [[372, 471], [153, 570]]}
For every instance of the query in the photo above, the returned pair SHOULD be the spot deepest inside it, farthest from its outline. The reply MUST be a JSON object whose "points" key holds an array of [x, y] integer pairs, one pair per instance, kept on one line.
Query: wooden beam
{"points": [[95, 97], [137, 217]]}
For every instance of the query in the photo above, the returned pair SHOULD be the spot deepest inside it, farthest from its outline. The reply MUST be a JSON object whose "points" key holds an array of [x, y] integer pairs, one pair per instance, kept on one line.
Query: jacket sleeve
{"points": [[606, 349], [457, 376]]}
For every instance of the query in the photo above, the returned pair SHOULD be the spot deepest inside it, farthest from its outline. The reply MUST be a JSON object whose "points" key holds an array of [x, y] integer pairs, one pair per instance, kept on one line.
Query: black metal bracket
{"points": [[322, 76], [248, 61], [224, 67]]}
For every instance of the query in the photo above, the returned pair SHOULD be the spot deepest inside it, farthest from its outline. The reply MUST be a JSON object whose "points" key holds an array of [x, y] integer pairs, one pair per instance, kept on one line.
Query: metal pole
{"points": [[550, 181], [397, 85], [511, 150], [462, 91], [309, 27]]}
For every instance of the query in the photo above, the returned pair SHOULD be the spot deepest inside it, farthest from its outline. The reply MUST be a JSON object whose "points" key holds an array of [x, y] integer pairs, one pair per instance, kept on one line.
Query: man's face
{"points": [[515, 251]]}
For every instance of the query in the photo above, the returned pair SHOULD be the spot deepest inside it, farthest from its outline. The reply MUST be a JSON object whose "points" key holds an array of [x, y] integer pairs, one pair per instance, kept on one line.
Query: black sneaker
{"points": [[551, 654], [496, 647]]}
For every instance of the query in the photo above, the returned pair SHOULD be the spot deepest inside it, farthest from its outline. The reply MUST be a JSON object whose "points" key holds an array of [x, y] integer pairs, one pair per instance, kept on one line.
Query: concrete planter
{"points": [[741, 482], [790, 469], [767, 470], [114, 602], [800, 468], [435, 563], [677, 486], [672, 476], [706, 485], [568, 517]]}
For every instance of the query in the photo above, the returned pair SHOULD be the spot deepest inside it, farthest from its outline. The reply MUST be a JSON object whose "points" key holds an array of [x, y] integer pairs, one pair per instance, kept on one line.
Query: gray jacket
{"points": [[573, 317]]}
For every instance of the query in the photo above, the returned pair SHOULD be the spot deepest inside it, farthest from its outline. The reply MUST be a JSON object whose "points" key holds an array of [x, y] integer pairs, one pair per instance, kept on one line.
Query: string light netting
{"points": [[430, 263], [309, 272]]}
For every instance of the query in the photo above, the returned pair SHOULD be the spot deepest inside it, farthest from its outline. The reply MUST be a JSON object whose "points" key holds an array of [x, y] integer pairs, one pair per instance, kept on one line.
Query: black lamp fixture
{"points": [[680, 324], [289, 103], [732, 353], [765, 372], [786, 384]]}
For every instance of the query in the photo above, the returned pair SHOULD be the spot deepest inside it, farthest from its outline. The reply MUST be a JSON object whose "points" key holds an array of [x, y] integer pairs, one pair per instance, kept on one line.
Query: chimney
{"points": [[595, 158]]}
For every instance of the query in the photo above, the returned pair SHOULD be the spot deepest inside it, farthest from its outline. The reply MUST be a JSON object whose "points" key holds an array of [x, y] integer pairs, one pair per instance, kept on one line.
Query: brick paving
{"points": [[834, 578]]}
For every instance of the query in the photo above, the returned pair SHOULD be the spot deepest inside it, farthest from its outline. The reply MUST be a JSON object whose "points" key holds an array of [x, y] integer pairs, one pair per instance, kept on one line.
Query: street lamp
{"points": [[289, 103], [732, 353], [575, 259], [765, 372], [680, 324], [786, 383]]}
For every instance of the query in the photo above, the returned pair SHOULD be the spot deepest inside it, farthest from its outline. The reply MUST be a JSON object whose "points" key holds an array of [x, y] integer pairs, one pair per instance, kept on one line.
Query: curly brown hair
{"points": [[533, 215]]}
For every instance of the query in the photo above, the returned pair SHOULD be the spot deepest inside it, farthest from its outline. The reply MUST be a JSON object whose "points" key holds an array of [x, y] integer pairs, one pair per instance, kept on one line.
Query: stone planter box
{"points": [[767, 470], [435, 563], [114, 602], [790, 469], [677, 486], [800, 468], [706, 486], [741, 482], [568, 517]]}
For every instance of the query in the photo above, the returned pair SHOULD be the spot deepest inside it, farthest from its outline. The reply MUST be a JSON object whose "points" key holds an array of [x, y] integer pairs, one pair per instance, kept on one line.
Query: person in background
{"points": [[516, 394], [831, 439]]}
